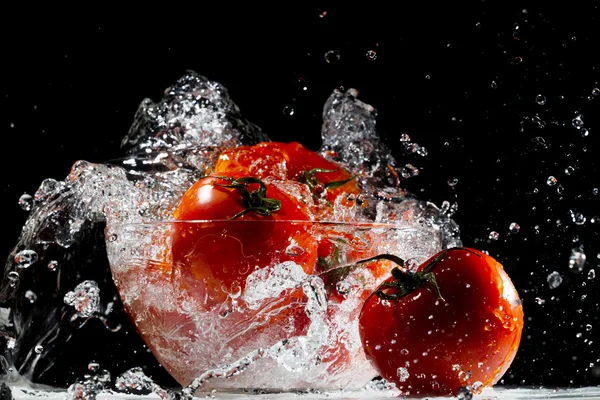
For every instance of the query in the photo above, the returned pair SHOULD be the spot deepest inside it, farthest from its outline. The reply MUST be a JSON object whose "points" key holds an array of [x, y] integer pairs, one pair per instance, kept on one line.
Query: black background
{"points": [[461, 81]]}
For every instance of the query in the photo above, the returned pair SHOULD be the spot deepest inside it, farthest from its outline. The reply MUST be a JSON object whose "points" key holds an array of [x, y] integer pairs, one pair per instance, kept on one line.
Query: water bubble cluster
{"points": [[85, 298]]}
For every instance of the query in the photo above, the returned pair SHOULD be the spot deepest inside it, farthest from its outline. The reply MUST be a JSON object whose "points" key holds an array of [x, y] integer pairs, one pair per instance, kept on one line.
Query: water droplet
{"points": [[578, 218], [578, 335], [540, 99], [588, 327], [494, 235], [494, 85], [452, 181], [554, 280], [569, 170], [540, 141], [93, 366], [591, 274], [38, 349], [577, 259], [31, 296], [85, 298], [25, 258], [113, 237], [541, 124], [411, 265], [288, 110], [464, 393], [560, 189], [403, 374], [371, 55], [404, 138], [585, 132], [596, 92], [514, 227], [428, 77], [408, 171], [404, 352], [13, 278], [551, 181], [332, 56], [26, 202], [595, 191], [539, 300], [294, 250], [343, 287], [422, 151], [455, 367], [578, 121], [52, 265]]}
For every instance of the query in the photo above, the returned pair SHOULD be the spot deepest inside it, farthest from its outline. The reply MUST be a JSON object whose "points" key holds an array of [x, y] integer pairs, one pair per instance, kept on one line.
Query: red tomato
{"points": [[433, 346], [290, 161], [215, 258]]}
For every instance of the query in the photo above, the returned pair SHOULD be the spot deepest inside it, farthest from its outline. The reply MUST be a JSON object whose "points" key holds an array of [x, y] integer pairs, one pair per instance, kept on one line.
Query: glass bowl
{"points": [[269, 305]]}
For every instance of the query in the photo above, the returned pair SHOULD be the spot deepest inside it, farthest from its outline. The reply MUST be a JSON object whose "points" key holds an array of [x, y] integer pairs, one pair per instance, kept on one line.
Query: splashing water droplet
{"points": [[403, 374], [25, 258], [85, 298], [452, 181], [288, 110], [26, 202], [578, 218], [591, 274], [540, 99], [494, 85], [577, 259], [53, 265], [294, 250], [540, 301], [554, 280], [551, 181], [332, 56], [134, 380], [408, 171], [588, 327], [585, 132], [13, 278], [38, 349], [494, 235], [514, 227], [93, 366], [371, 55], [560, 189], [578, 122], [31, 296]]}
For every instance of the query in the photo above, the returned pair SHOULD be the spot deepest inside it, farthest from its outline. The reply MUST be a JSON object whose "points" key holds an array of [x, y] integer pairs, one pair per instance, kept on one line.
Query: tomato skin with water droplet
{"points": [[432, 347]]}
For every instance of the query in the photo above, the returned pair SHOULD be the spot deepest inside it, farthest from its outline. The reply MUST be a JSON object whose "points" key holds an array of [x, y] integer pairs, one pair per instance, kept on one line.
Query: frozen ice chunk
{"points": [[194, 112]]}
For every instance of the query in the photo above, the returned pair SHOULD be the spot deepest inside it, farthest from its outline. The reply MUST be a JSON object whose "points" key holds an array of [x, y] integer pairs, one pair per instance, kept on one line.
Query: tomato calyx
{"points": [[310, 180], [254, 201]]}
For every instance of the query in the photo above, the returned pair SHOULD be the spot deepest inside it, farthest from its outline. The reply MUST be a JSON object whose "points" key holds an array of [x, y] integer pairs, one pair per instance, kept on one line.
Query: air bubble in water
{"points": [[332, 56], [13, 278], [403, 374], [577, 259], [85, 298], [578, 121], [371, 55], [52, 265], [25, 258], [551, 181], [26, 201], [540, 99], [514, 227], [494, 235], [554, 280]]}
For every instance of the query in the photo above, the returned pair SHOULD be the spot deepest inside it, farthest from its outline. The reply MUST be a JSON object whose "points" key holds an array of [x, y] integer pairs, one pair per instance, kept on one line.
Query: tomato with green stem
{"points": [[243, 224], [454, 323]]}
